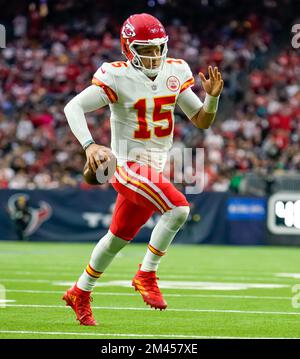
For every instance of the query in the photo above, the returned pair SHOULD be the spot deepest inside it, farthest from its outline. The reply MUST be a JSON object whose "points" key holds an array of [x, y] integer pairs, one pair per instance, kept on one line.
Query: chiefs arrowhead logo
{"points": [[173, 83], [128, 30]]}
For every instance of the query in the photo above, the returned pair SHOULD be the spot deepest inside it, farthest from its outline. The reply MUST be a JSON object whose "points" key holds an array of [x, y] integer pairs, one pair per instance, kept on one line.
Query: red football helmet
{"points": [[143, 30]]}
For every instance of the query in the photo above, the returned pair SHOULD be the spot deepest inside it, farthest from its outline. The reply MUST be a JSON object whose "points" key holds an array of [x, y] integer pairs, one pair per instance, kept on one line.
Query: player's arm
{"points": [[213, 87], [90, 99]]}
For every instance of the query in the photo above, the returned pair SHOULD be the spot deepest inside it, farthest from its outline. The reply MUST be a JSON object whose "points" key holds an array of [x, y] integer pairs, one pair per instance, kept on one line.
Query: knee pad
{"points": [[111, 243], [176, 217], [105, 251]]}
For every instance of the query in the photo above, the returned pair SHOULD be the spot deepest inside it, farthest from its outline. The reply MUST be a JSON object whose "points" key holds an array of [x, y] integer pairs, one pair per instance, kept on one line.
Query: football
{"points": [[89, 175], [102, 175]]}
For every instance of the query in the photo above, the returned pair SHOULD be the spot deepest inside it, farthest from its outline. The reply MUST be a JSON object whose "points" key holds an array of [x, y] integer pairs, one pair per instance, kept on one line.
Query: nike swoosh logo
{"points": [[103, 71]]}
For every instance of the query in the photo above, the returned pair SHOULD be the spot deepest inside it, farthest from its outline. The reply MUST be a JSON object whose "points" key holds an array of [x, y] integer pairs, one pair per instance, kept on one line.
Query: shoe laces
{"points": [[84, 306], [150, 283]]}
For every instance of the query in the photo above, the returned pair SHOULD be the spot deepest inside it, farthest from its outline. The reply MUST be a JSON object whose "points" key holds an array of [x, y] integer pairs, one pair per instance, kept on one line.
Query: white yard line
{"points": [[180, 285], [168, 310], [196, 285], [165, 295], [288, 275], [278, 276], [7, 301], [133, 335], [22, 280]]}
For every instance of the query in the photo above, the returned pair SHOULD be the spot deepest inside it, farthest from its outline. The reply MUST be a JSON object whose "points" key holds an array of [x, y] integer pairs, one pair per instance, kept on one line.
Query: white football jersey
{"points": [[142, 110]]}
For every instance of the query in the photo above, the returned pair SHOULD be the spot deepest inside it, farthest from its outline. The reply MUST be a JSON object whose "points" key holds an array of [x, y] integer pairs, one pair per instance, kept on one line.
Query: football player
{"points": [[141, 94]]}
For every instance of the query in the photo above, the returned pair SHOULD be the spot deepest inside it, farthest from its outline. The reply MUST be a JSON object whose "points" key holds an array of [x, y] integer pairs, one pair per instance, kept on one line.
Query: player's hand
{"points": [[96, 155], [214, 85]]}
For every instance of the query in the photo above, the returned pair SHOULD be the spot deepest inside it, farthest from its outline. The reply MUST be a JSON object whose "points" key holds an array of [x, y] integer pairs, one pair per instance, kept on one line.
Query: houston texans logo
{"points": [[128, 30], [38, 215]]}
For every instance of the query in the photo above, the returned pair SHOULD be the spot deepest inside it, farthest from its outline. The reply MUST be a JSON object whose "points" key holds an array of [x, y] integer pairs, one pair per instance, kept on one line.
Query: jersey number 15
{"points": [[143, 131]]}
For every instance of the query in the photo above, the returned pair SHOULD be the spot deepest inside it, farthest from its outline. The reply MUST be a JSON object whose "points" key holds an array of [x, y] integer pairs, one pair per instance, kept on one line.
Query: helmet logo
{"points": [[128, 30]]}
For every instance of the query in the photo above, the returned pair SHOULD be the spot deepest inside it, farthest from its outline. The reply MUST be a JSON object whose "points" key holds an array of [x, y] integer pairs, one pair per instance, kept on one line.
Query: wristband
{"points": [[210, 103], [86, 145]]}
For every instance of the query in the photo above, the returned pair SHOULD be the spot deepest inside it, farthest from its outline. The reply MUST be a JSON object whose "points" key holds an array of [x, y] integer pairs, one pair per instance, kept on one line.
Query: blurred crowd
{"points": [[45, 64]]}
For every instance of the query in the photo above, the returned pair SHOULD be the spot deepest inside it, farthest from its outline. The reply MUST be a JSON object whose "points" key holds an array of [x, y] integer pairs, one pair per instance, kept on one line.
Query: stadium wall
{"points": [[85, 215]]}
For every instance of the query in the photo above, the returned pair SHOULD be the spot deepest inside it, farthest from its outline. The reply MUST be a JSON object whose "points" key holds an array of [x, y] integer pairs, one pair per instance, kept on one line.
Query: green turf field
{"points": [[212, 292]]}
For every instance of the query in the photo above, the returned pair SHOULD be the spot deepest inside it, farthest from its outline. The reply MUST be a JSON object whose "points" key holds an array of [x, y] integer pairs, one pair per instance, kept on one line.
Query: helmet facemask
{"points": [[150, 71]]}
